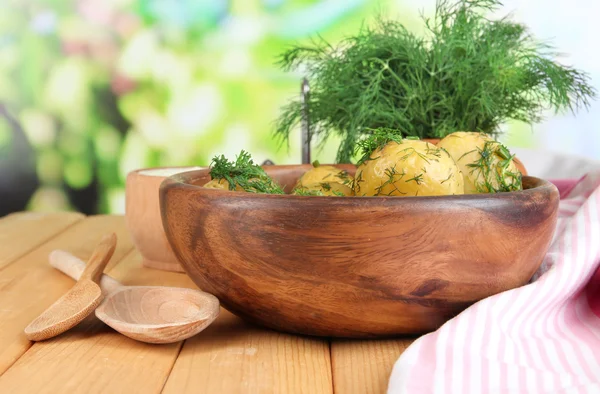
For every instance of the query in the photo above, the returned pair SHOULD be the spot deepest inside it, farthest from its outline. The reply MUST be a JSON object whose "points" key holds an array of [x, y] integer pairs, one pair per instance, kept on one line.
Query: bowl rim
{"points": [[183, 181], [141, 171]]}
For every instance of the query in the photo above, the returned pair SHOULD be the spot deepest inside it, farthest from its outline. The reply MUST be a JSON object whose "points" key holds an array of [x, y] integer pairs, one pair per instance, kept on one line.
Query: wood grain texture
{"points": [[74, 267], [158, 314], [93, 358], [233, 357], [152, 314], [23, 231], [355, 266], [79, 301], [29, 285], [364, 366]]}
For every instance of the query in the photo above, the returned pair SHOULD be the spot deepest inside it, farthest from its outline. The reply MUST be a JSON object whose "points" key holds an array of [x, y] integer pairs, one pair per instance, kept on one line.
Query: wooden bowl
{"points": [[355, 266], [142, 216]]}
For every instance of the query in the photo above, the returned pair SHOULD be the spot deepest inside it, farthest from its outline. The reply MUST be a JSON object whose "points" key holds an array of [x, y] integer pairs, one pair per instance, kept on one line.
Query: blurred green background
{"points": [[92, 89]]}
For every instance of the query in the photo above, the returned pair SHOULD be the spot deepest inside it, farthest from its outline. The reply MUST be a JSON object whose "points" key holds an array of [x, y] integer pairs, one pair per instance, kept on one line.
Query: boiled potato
{"points": [[253, 185], [408, 168], [486, 164], [222, 184], [319, 174], [324, 189]]}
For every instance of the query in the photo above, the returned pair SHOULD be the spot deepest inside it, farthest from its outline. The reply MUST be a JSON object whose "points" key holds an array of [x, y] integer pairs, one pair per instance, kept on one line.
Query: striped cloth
{"points": [[540, 338]]}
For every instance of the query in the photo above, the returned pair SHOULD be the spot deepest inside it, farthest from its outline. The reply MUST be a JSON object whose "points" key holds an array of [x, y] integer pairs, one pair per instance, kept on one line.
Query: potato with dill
{"points": [[222, 184], [393, 166], [324, 181], [486, 164], [242, 175], [320, 173], [324, 189]]}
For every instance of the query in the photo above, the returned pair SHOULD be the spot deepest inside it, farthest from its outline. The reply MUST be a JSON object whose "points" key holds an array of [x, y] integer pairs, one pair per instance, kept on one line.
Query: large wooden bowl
{"points": [[354, 266]]}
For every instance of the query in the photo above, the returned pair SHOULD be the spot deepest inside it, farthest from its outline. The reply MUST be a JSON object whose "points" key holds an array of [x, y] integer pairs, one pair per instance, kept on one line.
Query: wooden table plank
{"points": [[22, 232], [364, 366], [29, 285], [92, 358], [231, 356]]}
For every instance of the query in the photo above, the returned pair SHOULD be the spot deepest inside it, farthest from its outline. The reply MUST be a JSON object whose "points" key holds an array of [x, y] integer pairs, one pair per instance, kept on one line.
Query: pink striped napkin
{"points": [[540, 338]]}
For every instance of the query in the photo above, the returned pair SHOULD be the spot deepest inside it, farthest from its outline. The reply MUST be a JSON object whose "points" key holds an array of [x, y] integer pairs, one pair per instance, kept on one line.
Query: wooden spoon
{"points": [[80, 301], [152, 314]]}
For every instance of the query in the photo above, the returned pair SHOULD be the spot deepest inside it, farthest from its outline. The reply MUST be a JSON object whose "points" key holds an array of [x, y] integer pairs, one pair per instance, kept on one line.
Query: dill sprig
{"points": [[466, 73], [319, 189], [393, 177], [308, 192], [243, 173], [377, 139], [493, 164]]}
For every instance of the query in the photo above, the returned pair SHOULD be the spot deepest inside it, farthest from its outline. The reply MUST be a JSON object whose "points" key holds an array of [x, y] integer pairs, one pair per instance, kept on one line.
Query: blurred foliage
{"points": [[102, 87]]}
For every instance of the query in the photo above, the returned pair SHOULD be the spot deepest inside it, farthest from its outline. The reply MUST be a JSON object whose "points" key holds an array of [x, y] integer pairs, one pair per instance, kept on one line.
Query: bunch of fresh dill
{"points": [[468, 73], [244, 173]]}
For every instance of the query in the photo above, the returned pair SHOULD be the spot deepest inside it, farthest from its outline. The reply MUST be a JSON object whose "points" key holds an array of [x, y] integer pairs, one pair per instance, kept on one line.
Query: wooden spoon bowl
{"points": [[355, 266], [153, 314], [158, 314]]}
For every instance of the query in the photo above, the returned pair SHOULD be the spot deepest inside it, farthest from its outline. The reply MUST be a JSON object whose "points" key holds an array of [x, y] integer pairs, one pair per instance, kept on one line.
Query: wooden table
{"points": [[230, 356]]}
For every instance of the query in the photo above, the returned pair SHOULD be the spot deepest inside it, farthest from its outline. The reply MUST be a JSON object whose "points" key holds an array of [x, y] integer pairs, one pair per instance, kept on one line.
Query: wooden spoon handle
{"points": [[74, 267], [100, 257]]}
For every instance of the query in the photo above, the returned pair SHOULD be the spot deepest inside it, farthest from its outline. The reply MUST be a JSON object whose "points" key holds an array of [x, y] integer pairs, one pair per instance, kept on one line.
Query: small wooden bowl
{"points": [[142, 216], [355, 266]]}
